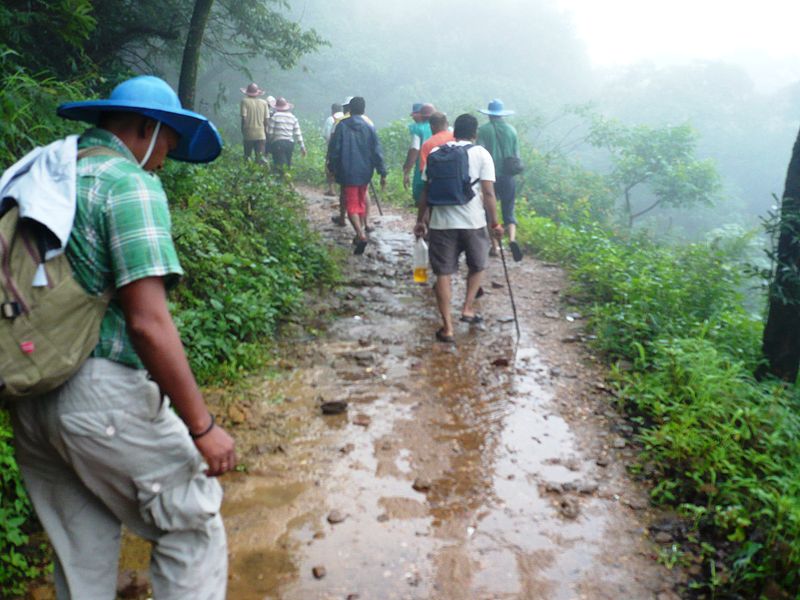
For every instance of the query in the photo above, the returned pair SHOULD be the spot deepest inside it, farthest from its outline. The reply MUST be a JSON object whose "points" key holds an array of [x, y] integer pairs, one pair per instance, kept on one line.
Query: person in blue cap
{"points": [[420, 131], [500, 139], [106, 449]]}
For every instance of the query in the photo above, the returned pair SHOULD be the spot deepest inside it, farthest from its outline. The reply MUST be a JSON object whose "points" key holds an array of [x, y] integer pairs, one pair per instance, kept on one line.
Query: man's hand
{"points": [[217, 448], [419, 229], [383, 183], [406, 180], [303, 151], [497, 231]]}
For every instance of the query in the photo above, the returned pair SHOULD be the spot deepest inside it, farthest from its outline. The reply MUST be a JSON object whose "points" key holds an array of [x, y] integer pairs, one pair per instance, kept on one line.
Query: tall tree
{"points": [[191, 52], [655, 167], [781, 344], [70, 38]]}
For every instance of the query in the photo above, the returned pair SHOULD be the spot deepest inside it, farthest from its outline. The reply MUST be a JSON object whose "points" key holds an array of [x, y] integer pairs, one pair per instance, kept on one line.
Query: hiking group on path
{"points": [[97, 442]]}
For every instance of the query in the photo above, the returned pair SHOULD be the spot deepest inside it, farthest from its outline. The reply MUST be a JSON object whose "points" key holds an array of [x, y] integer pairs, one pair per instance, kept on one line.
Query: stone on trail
{"points": [[236, 414], [619, 443], [333, 407], [496, 285], [552, 314], [336, 516], [319, 571], [421, 484], [569, 508], [501, 362], [587, 487], [362, 420], [636, 503]]}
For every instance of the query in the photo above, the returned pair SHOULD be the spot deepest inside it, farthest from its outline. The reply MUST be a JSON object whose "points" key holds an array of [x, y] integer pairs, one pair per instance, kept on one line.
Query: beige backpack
{"points": [[48, 324]]}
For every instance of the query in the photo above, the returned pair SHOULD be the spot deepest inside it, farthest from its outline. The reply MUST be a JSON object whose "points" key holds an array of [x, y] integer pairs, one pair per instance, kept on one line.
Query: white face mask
{"points": [[152, 145]]}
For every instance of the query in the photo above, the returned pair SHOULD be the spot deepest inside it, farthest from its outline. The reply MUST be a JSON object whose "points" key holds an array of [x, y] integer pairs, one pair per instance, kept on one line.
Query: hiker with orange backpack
{"points": [[106, 448]]}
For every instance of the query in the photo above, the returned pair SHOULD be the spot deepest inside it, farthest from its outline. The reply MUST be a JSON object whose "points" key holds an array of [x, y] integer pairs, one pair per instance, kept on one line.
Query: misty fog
{"points": [[460, 54]]}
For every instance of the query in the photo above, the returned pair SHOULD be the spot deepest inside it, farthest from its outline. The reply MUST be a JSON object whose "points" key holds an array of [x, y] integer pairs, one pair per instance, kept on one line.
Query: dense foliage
{"points": [[249, 257], [718, 445], [70, 38]]}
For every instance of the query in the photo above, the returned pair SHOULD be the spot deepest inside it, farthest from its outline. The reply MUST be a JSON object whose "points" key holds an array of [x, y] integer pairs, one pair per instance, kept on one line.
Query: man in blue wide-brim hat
{"points": [[500, 139], [106, 449]]}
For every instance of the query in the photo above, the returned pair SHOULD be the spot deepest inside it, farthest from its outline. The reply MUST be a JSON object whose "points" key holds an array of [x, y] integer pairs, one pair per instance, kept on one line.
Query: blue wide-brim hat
{"points": [[153, 97], [496, 108]]}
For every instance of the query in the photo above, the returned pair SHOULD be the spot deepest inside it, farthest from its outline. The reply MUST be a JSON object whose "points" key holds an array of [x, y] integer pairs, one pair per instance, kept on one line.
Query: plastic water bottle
{"points": [[420, 261]]}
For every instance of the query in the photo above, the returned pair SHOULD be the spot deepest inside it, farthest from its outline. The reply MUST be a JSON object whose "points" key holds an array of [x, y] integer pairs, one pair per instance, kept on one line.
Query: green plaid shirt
{"points": [[121, 234]]}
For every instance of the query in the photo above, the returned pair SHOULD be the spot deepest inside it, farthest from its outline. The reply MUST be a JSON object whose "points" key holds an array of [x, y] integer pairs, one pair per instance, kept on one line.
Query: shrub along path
{"points": [[480, 471]]}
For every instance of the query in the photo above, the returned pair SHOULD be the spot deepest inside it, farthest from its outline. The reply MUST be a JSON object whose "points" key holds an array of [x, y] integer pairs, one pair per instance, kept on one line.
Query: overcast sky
{"points": [[762, 35]]}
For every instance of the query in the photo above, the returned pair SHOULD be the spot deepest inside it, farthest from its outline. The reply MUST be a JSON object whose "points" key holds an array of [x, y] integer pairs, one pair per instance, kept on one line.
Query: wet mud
{"points": [[492, 469]]}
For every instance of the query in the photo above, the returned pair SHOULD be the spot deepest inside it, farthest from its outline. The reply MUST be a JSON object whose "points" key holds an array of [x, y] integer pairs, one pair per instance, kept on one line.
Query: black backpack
{"points": [[448, 176]]}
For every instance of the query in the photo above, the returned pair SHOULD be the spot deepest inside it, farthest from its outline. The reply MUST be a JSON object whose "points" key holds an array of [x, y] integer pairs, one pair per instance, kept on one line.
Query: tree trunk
{"points": [[782, 332], [191, 53]]}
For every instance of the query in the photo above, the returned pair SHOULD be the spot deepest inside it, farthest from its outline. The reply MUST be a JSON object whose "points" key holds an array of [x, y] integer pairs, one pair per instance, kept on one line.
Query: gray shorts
{"points": [[445, 246]]}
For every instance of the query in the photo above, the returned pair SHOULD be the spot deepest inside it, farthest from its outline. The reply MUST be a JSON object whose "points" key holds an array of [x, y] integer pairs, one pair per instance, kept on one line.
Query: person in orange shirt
{"points": [[441, 135]]}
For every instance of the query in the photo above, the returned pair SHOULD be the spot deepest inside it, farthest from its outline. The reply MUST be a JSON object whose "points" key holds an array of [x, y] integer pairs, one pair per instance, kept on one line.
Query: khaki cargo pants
{"points": [[104, 450]]}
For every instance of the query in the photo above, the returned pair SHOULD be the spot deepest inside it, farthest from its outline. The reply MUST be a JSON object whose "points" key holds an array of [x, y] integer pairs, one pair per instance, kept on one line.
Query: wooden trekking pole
{"points": [[508, 283], [374, 194]]}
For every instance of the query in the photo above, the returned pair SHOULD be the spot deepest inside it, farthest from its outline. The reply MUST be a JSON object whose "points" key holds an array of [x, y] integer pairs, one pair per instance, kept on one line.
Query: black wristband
{"points": [[197, 436]]}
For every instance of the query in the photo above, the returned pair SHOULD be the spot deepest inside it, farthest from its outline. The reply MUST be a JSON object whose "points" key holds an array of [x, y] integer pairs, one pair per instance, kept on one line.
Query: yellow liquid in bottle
{"points": [[421, 275]]}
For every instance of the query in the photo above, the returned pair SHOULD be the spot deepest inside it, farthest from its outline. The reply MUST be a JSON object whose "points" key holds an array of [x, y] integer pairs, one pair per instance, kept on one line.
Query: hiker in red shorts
{"points": [[354, 154]]}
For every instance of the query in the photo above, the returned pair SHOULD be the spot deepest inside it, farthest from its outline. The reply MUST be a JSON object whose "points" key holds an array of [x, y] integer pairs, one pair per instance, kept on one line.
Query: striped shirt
{"points": [[121, 233], [284, 126]]}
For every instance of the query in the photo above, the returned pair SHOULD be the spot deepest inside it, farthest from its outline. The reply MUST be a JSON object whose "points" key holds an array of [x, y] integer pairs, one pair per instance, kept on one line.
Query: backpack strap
{"points": [[497, 140], [466, 149]]}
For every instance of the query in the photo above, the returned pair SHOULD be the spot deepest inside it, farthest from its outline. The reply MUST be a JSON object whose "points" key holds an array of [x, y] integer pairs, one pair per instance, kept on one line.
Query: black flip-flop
{"points": [[473, 320], [516, 251], [445, 339], [360, 247]]}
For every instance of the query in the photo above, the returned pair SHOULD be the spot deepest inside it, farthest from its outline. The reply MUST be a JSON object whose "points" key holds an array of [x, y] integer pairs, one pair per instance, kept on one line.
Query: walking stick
{"points": [[508, 282], [374, 194]]}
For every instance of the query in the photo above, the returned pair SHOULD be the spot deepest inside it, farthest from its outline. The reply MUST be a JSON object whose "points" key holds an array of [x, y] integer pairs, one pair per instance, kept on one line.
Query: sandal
{"points": [[360, 247], [445, 339], [472, 320], [516, 251]]}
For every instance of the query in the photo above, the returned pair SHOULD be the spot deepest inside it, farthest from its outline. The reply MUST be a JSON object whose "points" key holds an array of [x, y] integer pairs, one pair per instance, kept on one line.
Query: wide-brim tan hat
{"points": [[252, 90], [282, 104]]}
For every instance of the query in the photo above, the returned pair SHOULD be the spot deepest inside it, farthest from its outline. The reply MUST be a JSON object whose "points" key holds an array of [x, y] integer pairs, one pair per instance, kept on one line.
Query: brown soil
{"points": [[451, 475]]}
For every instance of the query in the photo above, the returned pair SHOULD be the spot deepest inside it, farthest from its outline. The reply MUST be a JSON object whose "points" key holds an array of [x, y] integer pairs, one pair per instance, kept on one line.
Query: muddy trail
{"points": [[494, 469]]}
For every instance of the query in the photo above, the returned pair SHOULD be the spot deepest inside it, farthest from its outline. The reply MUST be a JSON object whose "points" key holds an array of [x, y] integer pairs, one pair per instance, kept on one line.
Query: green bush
{"points": [[720, 446], [18, 563], [28, 108], [249, 256], [557, 188]]}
